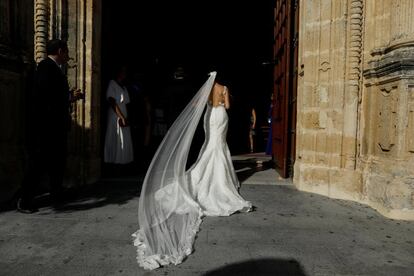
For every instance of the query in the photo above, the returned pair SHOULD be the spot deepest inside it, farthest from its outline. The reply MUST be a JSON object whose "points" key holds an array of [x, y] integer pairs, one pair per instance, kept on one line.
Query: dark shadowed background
{"points": [[232, 37]]}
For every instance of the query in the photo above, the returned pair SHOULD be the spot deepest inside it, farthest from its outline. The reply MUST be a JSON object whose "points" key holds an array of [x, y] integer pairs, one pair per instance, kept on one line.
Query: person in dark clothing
{"points": [[49, 129], [139, 112]]}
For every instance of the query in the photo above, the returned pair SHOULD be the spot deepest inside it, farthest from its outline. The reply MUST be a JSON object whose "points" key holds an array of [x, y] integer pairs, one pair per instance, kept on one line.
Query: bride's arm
{"points": [[226, 98]]}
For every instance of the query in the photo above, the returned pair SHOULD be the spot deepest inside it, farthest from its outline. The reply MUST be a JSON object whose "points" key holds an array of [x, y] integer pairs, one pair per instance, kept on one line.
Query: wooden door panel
{"points": [[280, 87], [284, 86], [294, 76]]}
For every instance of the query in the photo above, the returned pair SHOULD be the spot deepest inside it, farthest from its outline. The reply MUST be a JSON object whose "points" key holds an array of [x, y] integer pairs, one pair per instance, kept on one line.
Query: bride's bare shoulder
{"points": [[218, 87]]}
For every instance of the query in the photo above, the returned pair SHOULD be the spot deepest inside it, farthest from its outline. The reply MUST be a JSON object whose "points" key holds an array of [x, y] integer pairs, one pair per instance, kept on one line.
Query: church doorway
{"points": [[170, 47]]}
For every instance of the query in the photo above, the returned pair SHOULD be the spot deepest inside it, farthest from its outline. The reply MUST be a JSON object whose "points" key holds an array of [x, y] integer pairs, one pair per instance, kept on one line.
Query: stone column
{"points": [[41, 26], [387, 154], [83, 23], [328, 87], [402, 25], [352, 93]]}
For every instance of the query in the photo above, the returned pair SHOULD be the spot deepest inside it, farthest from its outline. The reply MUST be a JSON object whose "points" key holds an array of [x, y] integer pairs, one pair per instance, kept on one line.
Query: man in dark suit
{"points": [[49, 126]]}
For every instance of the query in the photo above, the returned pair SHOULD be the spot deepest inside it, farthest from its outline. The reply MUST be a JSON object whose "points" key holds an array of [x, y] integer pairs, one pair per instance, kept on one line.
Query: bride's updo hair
{"points": [[221, 76]]}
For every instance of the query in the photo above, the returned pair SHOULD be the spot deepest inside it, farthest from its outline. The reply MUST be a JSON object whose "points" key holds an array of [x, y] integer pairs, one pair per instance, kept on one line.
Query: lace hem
{"points": [[246, 208], [155, 261], [158, 260]]}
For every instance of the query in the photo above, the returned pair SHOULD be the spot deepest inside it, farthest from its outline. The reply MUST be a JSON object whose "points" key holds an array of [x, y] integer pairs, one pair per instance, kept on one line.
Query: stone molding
{"points": [[355, 43], [352, 95], [41, 26], [396, 60]]}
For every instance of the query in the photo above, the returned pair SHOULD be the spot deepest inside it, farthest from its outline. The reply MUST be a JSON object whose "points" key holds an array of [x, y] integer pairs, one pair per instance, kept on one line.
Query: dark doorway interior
{"points": [[233, 37]]}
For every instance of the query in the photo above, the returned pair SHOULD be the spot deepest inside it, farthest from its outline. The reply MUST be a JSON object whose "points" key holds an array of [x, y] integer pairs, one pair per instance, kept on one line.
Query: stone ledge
{"points": [[397, 59]]}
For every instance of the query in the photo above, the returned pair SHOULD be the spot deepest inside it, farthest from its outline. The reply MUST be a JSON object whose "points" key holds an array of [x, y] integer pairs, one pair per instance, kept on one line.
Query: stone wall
{"points": [[387, 111], [327, 100], [25, 27], [354, 103], [16, 65], [79, 23]]}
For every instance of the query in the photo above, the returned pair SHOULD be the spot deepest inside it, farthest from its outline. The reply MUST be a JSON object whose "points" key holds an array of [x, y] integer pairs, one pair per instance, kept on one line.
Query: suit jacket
{"points": [[52, 101]]}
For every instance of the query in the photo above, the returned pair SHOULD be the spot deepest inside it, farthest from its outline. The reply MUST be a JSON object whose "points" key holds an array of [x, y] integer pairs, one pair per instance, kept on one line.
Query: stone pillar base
{"points": [[392, 197]]}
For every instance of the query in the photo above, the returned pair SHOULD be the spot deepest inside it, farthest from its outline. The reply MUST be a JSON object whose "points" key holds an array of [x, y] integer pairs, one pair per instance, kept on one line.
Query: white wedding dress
{"points": [[170, 213], [213, 179]]}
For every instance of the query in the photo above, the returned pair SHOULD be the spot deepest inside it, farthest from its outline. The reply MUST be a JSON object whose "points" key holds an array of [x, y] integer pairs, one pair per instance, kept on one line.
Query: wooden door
{"points": [[284, 85]]}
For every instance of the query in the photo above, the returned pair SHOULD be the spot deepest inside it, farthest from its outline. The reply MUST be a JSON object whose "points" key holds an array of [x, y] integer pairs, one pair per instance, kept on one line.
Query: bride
{"points": [[173, 200]]}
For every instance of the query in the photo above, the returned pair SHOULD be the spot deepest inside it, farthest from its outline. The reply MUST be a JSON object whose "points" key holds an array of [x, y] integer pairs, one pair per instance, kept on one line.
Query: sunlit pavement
{"points": [[289, 233]]}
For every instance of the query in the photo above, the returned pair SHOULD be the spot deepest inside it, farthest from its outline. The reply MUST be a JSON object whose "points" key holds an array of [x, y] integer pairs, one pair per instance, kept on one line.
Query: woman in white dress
{"points": [[213, 176], [173, 200], [118, 142]]}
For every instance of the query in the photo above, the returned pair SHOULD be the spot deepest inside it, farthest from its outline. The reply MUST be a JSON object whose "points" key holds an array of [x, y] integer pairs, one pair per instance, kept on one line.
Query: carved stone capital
{"points": [[396, 60]]}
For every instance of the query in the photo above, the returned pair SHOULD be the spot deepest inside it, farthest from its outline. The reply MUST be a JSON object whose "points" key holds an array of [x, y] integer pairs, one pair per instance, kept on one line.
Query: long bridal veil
{"points": [[168, 215]]}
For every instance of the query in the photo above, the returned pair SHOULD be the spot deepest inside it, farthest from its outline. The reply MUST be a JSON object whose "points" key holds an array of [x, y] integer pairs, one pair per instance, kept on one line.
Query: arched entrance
{"points": [[154, 40]]}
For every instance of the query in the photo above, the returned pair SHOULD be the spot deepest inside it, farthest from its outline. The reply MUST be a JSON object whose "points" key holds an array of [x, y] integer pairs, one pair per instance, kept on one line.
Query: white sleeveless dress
{"points": [[213, 178], [118, 142]]}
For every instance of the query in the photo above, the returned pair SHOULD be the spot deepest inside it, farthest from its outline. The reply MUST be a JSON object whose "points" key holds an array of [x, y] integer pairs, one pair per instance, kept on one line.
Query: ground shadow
{"points": [[248, 167], [260, 267], [117, 191], [104, 192], [101, 193]]}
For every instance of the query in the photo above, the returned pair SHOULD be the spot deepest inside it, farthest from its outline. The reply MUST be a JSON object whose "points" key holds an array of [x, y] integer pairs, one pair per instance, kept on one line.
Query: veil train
{"points": [[168, 216]]}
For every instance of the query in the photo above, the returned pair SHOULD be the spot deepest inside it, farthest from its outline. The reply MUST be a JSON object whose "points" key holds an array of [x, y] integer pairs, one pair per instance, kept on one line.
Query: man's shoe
{"points": [[25, 209]]}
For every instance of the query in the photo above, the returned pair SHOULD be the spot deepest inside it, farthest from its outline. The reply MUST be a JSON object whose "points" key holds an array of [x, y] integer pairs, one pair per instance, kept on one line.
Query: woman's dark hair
{"points": [[222, 75], [118, 68], [53, 46], [221, 78]]}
